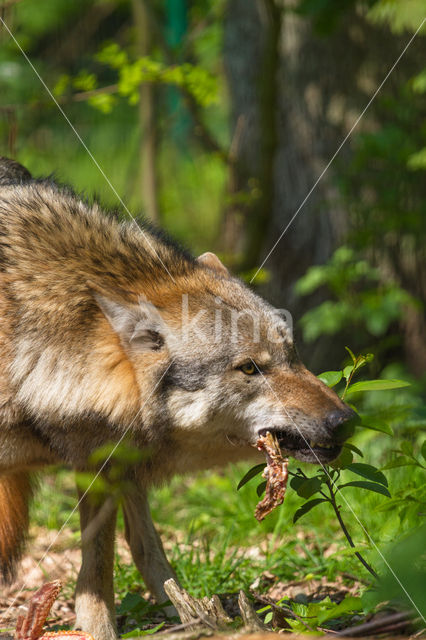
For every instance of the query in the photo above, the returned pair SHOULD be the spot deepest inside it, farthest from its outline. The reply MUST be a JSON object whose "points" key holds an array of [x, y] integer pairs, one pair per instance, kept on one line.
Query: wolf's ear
{"points": [[139, 326], [211, 261]]}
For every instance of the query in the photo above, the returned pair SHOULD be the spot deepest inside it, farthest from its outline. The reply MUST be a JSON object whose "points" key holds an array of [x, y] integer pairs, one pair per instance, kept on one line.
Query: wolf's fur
{"points": [[15, 492], [106, 331]]}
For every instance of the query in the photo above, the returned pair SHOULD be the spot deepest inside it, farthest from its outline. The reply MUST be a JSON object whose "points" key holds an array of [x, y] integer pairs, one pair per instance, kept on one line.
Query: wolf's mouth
{"points": [[303, 449]]}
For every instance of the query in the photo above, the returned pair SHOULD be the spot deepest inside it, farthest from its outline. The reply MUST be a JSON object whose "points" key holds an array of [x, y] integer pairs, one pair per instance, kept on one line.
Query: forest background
{"points": [[288, 136]]}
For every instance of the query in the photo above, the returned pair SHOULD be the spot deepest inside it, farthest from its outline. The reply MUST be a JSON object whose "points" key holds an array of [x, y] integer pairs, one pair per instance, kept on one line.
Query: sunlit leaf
{"points": [[331, 378], [377, 425], [377, 385], [350, 603], [347, 371], [351, 353]]}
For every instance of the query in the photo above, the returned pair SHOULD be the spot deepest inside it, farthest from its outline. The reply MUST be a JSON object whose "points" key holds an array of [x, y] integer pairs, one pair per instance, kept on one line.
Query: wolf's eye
{"points": [[249, 368]]}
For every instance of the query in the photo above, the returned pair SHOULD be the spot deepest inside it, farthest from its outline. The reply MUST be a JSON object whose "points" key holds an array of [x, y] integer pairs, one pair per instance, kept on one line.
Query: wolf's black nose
{"points": [[339, 416]]}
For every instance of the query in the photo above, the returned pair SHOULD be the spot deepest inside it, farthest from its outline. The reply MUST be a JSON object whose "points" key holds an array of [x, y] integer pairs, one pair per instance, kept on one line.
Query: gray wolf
{"points": [[106, 330]]}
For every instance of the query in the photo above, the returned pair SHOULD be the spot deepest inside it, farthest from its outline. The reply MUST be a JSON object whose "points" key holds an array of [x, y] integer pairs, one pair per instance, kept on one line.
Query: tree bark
{"points": [[250, 46], [148, 128], [298, 93]]}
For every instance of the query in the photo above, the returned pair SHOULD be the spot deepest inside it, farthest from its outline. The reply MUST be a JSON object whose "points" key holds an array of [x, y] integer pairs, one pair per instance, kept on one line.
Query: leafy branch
{"points": [[323, 487]]}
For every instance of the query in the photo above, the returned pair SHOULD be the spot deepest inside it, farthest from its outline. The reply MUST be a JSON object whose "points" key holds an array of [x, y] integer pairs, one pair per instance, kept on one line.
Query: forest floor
{"points": [[295, 575], [58, 558]]}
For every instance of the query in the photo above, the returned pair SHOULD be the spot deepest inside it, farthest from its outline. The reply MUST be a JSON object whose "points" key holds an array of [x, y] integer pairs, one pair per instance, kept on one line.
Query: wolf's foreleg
{"points": [[94, 601], [146, 547]]}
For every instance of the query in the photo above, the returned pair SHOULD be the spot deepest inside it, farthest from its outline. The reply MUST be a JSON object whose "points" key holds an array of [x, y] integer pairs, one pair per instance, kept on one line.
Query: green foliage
{"points": [[305, 617], [326, 483], [406, 560], [131, 74], [134, 609], [111, 464], [361, 299], [401, 16]]}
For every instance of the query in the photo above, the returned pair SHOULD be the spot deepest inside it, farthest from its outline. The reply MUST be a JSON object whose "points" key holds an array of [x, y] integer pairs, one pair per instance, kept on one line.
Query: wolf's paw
{"points": [[94, 617]]}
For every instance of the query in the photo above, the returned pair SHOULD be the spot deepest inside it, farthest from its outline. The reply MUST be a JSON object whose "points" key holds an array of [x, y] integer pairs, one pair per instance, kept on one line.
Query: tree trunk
{"points": [[295, 96], [250, 44], [148, 127]]}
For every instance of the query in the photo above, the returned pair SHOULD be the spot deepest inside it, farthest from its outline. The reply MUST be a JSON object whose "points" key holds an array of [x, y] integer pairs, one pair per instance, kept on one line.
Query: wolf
{"points": [[110, 332]]}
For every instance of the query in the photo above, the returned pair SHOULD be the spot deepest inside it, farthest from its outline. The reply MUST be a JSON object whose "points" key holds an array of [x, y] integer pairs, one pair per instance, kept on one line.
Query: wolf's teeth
{"points": [[314, 445]]}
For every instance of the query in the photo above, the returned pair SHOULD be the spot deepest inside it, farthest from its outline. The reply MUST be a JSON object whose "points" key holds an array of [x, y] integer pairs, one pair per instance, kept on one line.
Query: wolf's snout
{"points": [[337, 417]]}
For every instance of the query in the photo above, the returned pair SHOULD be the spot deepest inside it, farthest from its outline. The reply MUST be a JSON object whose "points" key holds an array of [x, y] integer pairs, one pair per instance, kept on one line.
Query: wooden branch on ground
{"points": [[251, 620], [208, 612], [381, 624]]}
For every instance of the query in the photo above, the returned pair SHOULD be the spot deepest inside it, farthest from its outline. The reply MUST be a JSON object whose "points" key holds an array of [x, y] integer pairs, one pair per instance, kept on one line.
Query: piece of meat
{"points": [[30, 626], [275, 474]]}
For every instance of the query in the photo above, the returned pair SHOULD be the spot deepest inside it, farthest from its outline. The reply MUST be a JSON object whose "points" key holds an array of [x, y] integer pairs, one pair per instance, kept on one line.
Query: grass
{"points": [[215, 544], [211, 535]]}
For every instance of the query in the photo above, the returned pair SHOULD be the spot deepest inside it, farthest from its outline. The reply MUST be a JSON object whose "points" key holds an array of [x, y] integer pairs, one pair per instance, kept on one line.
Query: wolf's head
{"points": [[224, 369]]}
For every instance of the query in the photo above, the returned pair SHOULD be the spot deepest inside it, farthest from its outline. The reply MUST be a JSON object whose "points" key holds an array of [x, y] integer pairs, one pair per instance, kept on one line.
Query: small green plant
{"points": [[140, 612], [326, 485], [303, 617]]}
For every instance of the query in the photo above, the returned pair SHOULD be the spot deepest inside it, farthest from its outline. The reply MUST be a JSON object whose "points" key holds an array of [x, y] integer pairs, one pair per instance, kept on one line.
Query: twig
{"points": [[346, 532], [85, 95], [180, 627], [378, 624]]}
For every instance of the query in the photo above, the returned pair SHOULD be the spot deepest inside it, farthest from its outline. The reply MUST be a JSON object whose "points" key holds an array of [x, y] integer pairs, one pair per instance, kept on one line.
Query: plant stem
{"points": [[346, 532]]}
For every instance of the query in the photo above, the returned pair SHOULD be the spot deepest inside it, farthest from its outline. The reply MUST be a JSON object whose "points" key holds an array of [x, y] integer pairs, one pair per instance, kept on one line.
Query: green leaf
{"points": [[353, 448], [330, 378], [348, 604], [132, 602], [377, 385], [423, 450], [347, 371], [419, 82], [261, 488], [143, 632], [369, 472], [307, 507], [346, 458], [88, 481], [296, 482], [407, 448], [309, 487], [251, 473], [351, 353], [369, 486], [417, 160], [377, 425], [401, 461]]}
